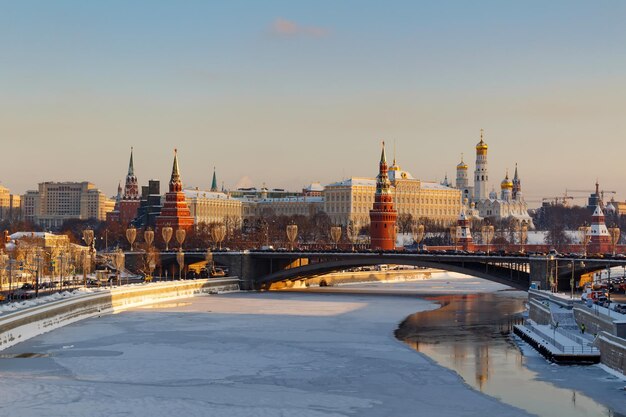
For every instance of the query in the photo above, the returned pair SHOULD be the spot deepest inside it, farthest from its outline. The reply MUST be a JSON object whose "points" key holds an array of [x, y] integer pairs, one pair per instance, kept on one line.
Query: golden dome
{"points": [[481, 146], [462, 164], [506, 183]]}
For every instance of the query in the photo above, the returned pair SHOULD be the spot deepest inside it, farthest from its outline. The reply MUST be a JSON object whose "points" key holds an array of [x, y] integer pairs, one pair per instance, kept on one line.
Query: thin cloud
{"points": [[289, 29]]}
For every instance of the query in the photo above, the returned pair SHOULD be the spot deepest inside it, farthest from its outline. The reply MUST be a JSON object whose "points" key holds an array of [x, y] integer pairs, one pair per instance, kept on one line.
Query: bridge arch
{"points": [[518, 279]]}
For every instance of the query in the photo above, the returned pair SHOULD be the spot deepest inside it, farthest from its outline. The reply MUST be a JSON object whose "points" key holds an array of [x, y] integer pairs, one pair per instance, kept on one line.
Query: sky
{"points": [[284, 93]]}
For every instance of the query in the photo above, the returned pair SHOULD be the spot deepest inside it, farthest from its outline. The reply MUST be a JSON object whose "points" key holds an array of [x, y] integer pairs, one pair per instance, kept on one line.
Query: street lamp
{"points": [[180, 237], [119, 259], [292, 234], [218, 233], [417, 230], [131, 235], [148, 237], [615, 234], [4, 258], [584, 233], [86, 266], [454, 237], [166, 232], [180, 258], [335, 234], [523, 235], [209, 262], [352, 231], [487, 233]]}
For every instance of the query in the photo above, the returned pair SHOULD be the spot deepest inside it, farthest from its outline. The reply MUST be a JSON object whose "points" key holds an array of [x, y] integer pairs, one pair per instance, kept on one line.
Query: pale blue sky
{"points": [[290, 92]]}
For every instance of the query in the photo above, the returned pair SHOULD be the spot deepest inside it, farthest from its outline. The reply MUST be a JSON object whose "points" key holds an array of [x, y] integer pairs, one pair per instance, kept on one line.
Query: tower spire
{"points": [[131, 167], [383, 158], [214, 182], [175, 183]]}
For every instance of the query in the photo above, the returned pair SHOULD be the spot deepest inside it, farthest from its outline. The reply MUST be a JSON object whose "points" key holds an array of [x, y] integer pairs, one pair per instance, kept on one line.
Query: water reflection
{"points": [[470, 334]]}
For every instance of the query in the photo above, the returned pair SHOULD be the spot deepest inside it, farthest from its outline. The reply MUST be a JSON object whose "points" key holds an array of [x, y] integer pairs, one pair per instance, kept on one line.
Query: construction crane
{"points": [[558, 200], [602, 192]]}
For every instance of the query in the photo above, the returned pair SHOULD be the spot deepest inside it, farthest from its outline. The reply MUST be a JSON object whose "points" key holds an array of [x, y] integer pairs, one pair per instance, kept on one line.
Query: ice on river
{"points": [[241, 354]]}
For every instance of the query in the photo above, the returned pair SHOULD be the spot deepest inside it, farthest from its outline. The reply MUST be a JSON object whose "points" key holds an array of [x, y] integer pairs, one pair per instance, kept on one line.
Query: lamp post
{"points": [[292, 234], [584, 233], [166, 233], [417, 230], [86, 266], [119, 259], [148, 237], [181, 234], [487, 233], [352, 231], [131, 235], [523, 236], [454, 235], [209, 262], [180, 258], [615, 234], [335, 234], [218, 233], [3, 262], [151, 264], [38, 260]]}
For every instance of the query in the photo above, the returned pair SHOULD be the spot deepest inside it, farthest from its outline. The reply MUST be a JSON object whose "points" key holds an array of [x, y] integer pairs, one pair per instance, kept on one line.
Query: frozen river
{"points": [[244, 354]]}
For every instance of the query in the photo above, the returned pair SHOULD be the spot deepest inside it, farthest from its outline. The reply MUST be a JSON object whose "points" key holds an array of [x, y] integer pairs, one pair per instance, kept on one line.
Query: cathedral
{"points": [[509, 204]]}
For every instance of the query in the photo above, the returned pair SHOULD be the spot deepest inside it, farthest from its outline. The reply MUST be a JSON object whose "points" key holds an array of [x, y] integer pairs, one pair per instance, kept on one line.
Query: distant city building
{"points": [[127, 201], [314, 190], [56, 202], [149, 205], [286, 206], [10, 205], [175, 212], [214, 207]]}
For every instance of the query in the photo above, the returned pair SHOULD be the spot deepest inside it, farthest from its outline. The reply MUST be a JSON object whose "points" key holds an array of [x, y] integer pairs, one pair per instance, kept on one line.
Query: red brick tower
{"points": [[383, 215], [463, 232], [131, 199], [175, 212], [600, 241], [126, 203]]}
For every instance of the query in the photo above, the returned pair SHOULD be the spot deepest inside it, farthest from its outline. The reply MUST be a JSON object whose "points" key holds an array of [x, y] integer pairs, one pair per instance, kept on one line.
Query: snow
{"points": [[241, 354]]}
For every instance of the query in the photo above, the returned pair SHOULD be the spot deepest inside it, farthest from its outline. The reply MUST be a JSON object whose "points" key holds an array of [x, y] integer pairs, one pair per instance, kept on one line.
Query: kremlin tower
{"points": [[481, 175], [175, 212], [463, 232], [126, 202], [383, 215], [600, 241]]}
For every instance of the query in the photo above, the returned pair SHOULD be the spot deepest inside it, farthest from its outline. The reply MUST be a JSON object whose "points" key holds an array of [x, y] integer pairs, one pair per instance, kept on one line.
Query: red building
{"points": [[383, 215], [463, 232], [126, 203], [175, 212], [600, 239]]}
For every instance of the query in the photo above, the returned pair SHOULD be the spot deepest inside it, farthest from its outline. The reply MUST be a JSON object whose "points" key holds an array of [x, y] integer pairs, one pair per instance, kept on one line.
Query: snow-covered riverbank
{"points": [[243, 354]]}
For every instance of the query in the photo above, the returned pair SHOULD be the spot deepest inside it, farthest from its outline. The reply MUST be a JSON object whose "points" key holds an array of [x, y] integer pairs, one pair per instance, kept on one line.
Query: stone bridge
{"points": [[260, 269]]}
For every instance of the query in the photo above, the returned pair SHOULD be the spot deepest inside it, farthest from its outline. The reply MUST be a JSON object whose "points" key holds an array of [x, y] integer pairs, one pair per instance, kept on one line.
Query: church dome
{"points": [[462, 165], [481, 146], [506, 183]]}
